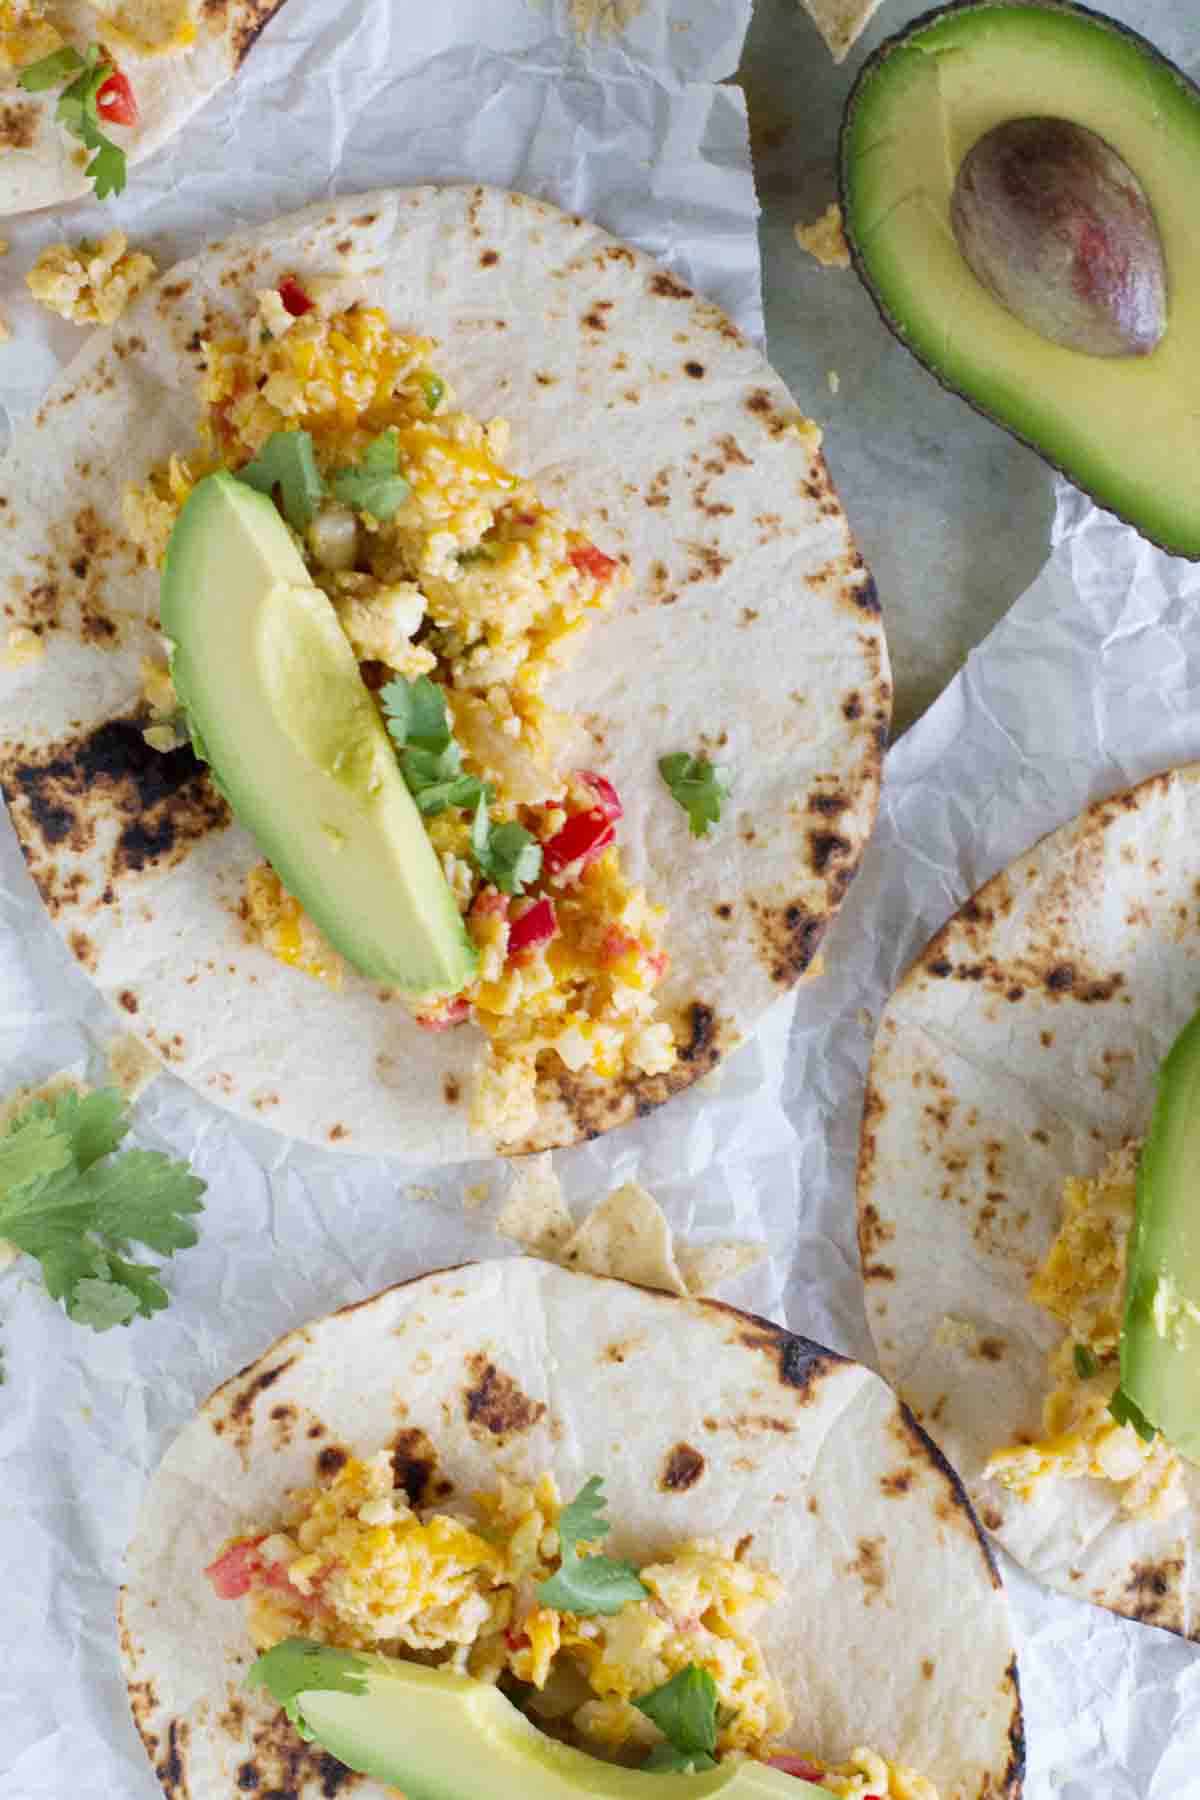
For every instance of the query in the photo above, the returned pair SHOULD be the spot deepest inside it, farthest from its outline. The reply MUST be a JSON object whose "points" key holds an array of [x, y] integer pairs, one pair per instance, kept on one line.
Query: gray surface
{"points": [[952, 515]]}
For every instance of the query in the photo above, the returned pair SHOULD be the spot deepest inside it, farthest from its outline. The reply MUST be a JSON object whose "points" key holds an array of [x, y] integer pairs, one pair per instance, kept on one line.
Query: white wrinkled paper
{"points": [[1088, 684]]}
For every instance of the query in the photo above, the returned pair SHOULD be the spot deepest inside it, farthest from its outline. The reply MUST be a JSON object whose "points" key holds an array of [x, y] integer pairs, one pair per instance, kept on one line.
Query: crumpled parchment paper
{"points": [[1088, 684]]}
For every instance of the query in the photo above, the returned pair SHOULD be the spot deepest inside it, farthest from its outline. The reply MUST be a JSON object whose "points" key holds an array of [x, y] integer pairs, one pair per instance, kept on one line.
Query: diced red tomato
{"points": [[581, 840], [232, 1572], [799, 1765], [115, 103], [618, 943], [455, 1012], [294, 298], [590, 561], [525, 518], [489, 901], [658, 962], [517, 1640], [605, 795], [536, 926]]}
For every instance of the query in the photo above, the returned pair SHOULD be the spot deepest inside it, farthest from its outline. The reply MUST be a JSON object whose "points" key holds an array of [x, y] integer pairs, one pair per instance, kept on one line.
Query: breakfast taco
{"points": [[517, 726], [449, 1505], [1026, 1184], [89, 85]]}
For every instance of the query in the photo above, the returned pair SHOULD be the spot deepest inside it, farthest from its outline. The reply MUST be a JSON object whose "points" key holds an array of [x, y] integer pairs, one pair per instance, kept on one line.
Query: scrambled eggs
{"points": [[474, 584], [1082, 1283], [352, 1563], [93, 284], [26, 34]]}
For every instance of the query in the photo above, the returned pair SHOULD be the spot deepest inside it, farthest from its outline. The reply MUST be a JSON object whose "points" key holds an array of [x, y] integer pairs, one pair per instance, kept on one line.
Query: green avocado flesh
{"points": [[1160, 1335], [274, 694], [440, 1736], [1127, 429]]}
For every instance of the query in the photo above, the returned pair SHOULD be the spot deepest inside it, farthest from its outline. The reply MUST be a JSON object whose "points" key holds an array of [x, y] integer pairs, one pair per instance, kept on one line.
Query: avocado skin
{"points": [[870, 69]]}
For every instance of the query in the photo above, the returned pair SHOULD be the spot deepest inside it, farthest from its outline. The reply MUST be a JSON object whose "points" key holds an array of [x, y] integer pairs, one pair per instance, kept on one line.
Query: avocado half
{"points": [[1125, 429]]}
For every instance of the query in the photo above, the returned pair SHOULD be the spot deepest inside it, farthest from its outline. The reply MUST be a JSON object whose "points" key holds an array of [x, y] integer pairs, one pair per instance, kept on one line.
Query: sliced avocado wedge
{"points": [[441, 1736], [1160, 1333], [277, 704], [1125, 428]]}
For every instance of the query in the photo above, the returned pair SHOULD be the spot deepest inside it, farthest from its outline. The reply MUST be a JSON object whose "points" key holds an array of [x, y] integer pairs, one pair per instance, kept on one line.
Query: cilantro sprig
{"points": [[506, 855], [685, 1711], [1085, 1362], [1127, 1412], [69, 1202], [698, 786], [374, 484], [298, 1666], [287, 462], [589, 1584], [77, 112], [418, 722]]}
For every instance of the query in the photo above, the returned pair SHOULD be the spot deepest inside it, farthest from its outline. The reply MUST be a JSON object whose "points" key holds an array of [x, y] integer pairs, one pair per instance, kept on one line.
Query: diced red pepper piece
{"points": [[535, 927], [581, 840], [517, 1640], [294, 298], [590, 561], [797, 1765], [454, 1013], [115, 103], [618, 943], [605, 794], [231, 1573]]}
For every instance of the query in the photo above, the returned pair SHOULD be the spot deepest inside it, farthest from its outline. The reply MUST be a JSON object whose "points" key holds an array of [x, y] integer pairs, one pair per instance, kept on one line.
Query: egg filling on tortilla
{"points": [[353, 1563], [1081, 1283], [448, 575]]}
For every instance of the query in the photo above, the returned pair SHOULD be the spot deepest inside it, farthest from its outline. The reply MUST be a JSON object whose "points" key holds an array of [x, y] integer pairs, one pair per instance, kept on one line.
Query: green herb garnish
{"points": [[433, 388], [374, 484], [1127, 1412], [416, 713], [76, 111], [1085, 1363], [66, 1200], [698, 786], [286, 461], [685, 1711], [507, 855], [480, 553], [418, 720], [589, 1584], [298, 1666]]}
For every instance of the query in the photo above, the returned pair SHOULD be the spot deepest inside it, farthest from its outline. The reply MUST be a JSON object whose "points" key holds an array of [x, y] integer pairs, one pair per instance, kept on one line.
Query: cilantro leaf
{"points": [[298, 1666], [416, 713], [107, 169], [507, 855], [665, 1759], [68, 1201], [589, 1584], [698, 786], [463, 792], [51, 71], [286, 462], [374, 484], [1127, 1412], [1085, 1362], [685, 1710]]}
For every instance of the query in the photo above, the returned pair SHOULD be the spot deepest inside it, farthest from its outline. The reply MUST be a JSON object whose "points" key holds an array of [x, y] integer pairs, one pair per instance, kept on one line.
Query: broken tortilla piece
{"points": [[627, 1235], [535, 1214], [705, 1266], [825, 240], [840, 22]]}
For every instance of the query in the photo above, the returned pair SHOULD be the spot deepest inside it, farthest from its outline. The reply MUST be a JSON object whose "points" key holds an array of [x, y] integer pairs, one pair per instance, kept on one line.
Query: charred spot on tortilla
{"points": [[494, 1405], [245, 1398], [331, 1460], [172, 1770], [282, 1766], [681, 1470], [788, 938], [869, 1566], [667, 287], [897, 1483], [917, 1443], [1153, 1594], [826, 847], [18, 125], [414, 1461]]}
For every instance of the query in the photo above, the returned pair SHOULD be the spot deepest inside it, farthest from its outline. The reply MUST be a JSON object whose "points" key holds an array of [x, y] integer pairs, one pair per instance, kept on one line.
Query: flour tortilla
{"points": [[752, 628], [1020, 1048], [42, 165], [894, 1630]]}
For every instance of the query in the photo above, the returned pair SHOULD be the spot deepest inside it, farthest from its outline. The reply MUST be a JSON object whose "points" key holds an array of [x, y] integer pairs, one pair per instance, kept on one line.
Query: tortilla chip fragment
{"points": [[824, 239], [535, 1214], [705, 1266], [840, 22], [627, 1235]]}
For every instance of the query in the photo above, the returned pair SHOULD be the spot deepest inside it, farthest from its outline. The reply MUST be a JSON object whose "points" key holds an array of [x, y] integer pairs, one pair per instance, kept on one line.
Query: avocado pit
{"points": [[1057, 227]]}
